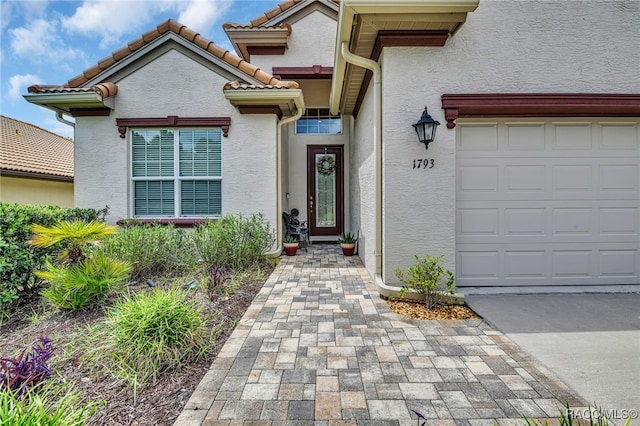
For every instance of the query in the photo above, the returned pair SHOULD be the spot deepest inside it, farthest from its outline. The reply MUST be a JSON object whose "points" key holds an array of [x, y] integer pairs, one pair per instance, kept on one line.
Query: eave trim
{"points": [[34, 175], [539, 105], [314, 72], [174, 121]]}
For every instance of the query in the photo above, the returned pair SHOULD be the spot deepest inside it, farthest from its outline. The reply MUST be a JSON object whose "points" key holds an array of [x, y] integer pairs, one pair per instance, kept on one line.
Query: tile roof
{"points": [[236, 85], [279, 27], [189, 35], [282, 7], [28, 148], [106, 89]]}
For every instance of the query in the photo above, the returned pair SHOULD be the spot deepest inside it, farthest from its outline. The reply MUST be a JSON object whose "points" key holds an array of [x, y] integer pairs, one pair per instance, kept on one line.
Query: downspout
{"points": [[63, 121], [374, 67], [299, 111]]}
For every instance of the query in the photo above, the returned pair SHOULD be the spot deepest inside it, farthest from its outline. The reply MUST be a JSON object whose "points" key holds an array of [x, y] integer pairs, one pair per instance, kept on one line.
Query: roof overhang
{"points": [[360, 23], [254, 100], [97, 100], [34, 175], [249, 41]]}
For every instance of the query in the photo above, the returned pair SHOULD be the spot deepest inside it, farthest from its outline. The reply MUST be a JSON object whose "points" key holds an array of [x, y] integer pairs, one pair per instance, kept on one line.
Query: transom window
{"points": [[176, 173], [318, 121]]}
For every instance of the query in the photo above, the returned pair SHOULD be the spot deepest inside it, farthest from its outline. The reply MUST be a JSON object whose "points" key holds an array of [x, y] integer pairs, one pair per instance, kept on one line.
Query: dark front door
{"points": [[325, 174]]}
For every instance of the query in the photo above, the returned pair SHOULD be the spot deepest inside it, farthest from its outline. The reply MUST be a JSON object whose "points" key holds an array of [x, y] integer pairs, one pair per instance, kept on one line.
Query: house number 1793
{"points": [[424, 163]]}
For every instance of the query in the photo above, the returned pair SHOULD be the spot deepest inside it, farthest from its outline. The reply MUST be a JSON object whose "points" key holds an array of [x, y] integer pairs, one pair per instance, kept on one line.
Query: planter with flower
{"points": [[291, 245], [347, 243]]}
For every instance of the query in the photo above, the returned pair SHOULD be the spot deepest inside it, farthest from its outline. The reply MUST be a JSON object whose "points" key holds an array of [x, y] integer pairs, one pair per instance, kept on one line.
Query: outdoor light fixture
{"points": [[426, 128]]}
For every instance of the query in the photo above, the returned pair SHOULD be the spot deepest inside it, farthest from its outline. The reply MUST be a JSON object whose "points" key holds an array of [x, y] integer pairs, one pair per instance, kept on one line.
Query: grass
{"points": [[50, 404], [147, 334]]}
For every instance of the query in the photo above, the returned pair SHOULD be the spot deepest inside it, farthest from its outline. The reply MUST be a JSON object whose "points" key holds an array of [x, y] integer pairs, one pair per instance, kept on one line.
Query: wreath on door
{"points": [[326, 165]]}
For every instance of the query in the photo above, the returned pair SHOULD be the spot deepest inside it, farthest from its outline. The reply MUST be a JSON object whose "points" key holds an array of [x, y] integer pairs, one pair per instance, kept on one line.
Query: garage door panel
{"points": [[525, 222], [572, 137], [561, 264], [525, 137], [619, 221], [618, 178], [548, 203], [619, 263], [525, 178], [576, 222], [581, 221], [572, 178], [614, 136], [483, 137]]}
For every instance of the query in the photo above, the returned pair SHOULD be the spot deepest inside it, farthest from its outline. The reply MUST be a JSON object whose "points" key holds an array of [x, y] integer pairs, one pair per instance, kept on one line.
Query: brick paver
{"points": [[318, 346]]}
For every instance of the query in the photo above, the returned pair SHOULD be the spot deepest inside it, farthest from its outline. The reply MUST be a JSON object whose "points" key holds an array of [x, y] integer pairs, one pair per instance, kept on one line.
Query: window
{"points": [[176, 173], [318, 121]]}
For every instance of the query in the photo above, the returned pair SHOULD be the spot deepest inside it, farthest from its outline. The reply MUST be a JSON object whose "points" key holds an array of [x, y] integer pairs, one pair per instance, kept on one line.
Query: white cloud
{"points": [[19, 82], [5, 14], [109, 19], [200, 15], [40, 42]]}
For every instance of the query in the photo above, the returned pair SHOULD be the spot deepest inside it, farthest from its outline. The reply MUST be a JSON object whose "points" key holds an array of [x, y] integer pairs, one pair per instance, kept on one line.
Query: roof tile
{"points": [[272, 13], [28, 148], [187, 34]]}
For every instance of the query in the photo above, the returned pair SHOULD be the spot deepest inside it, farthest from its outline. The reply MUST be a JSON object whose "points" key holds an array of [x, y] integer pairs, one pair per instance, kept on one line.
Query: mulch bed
{"points": [[159, 403], [418, 310]]}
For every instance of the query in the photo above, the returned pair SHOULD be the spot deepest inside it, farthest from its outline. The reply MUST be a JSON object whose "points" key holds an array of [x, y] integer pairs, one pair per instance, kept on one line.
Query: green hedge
{"points": [[18, 260]]}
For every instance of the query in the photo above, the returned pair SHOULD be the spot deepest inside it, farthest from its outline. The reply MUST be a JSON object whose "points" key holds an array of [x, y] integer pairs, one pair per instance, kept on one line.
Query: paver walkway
{"points": [[318, 346]]}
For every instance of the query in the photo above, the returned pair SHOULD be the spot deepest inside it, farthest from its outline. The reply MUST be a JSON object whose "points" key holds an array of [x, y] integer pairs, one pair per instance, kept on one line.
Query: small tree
{"points": [[429, 278]]}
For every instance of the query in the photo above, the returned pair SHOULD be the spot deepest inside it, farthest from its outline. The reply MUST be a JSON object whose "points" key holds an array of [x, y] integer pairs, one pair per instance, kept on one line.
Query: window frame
{"points": [[176, 178], [318, 116]]}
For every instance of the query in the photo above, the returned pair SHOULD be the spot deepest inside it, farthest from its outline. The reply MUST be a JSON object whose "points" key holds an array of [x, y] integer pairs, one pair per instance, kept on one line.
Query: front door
{"points": [[325, 174]]}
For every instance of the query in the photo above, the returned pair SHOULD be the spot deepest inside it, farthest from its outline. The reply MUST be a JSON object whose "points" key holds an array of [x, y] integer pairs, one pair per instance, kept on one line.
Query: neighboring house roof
{"points": [[30, 151]]}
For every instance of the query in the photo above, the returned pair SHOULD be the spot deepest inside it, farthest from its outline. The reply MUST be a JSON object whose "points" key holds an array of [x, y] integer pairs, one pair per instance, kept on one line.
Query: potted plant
{"points": [[291, 244], [347, 243]]}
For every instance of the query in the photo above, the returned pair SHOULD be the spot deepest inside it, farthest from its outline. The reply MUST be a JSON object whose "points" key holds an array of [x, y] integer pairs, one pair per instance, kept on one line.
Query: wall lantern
{"points": [[426, 128]]}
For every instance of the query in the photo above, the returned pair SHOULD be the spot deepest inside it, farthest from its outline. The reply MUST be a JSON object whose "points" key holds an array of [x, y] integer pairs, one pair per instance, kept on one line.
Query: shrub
{"points": [[47, 404], [234, 241], [19, 260], [77, 286], [147, 334], [152, 250], [27, 369], [425, 277]]}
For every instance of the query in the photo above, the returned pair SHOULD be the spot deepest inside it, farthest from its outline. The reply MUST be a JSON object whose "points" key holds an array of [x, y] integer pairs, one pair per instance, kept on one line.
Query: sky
{"points": [[50, 42]]}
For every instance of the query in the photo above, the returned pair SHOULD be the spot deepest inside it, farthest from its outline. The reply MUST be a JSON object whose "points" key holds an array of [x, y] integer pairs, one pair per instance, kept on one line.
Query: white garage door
{"points": [[548, 202]]}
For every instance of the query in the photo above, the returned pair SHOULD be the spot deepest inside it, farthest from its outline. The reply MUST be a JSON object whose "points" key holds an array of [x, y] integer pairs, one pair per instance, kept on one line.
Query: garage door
{"points": [[548, 202]]}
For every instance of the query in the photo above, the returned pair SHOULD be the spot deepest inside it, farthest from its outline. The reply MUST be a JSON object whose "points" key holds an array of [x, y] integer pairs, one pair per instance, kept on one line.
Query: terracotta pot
{"points": [[348, 248], [291, 248]]}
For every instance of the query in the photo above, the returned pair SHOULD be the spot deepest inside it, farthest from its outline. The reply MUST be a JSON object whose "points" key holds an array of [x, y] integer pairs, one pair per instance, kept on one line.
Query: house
{"points": [[36, 166], [533, 178]]}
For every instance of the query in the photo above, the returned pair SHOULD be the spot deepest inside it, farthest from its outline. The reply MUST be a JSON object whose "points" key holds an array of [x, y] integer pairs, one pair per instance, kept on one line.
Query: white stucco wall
{"points": [[175, 84], [362, 183], [311, 43], [505, 46]]}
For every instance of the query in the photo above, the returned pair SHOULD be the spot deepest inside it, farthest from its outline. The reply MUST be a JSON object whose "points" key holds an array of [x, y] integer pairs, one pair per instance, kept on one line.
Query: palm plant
{"points": [[77, 234]]}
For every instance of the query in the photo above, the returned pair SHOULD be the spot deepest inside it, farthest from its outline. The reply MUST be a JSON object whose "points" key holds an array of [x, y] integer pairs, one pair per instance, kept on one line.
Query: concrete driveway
{"points": [[591, 341]]}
